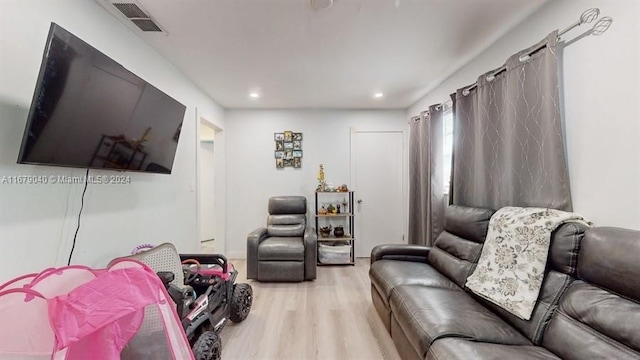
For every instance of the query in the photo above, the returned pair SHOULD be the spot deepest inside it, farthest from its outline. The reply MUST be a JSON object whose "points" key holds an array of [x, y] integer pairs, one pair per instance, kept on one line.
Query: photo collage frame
{"points": [[288, 149]]}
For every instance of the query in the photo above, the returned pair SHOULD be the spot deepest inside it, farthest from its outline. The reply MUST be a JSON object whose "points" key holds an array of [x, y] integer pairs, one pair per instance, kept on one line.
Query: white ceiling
{"points": [[299, 57]]}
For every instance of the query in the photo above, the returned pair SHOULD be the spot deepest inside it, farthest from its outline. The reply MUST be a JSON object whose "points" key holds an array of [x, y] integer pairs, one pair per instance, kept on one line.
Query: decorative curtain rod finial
{"points": [[586, 17], [601, 26]]}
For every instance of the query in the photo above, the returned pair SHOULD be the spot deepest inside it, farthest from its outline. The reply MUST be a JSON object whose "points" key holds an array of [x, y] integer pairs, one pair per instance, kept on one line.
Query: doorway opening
{"points": [[206, 200]]}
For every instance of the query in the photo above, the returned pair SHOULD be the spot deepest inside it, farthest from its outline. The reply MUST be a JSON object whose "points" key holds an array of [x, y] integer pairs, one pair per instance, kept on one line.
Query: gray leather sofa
{"points": [[588, 308], [286, 249]]}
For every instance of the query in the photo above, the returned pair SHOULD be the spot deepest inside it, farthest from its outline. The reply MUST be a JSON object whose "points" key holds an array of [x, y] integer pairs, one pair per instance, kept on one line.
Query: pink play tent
{"points": [[79, 313]]}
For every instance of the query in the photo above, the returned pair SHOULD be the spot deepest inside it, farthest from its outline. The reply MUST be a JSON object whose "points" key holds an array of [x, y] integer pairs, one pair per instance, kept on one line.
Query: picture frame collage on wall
{"points": [[288, 149]]}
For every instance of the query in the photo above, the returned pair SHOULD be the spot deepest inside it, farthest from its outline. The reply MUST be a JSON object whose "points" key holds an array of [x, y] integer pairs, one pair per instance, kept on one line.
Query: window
{"points": [[448, 147]]}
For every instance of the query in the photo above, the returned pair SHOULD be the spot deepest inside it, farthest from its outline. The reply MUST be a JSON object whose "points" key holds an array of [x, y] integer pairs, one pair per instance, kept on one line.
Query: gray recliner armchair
{"points": [[286, 249]]}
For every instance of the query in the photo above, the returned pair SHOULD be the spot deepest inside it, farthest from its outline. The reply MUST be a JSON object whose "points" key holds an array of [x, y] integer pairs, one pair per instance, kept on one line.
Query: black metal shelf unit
{"points": [[332, 249]]}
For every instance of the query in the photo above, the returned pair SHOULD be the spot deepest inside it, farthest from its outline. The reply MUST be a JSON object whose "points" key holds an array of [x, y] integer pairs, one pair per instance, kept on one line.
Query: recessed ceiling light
{"points": [[254, 95], [378, 95], [321, 4]]}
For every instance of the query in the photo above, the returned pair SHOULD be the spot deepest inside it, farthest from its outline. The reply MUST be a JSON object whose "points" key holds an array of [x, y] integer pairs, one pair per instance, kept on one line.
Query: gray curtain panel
{"points": [[426, 193], [508, 143]]}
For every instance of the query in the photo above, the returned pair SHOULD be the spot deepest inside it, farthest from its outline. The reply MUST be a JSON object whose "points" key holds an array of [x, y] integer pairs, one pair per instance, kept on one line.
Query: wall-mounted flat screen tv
{"points": [[88, 111]]}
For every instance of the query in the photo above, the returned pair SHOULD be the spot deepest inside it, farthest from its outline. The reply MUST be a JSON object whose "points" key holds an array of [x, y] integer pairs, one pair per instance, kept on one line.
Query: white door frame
{"points": [[199, 121], [197, 142], [405, 168]]}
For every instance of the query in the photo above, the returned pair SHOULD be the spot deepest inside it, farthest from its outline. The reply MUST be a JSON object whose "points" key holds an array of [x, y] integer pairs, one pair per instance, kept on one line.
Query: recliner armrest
{"points": [[253, 240], [404, 252], [310, 253], [310, 236], [257, 235]]}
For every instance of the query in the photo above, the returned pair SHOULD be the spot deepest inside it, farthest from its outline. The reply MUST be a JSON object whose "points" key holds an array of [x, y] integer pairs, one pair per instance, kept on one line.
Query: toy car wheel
{"points": [[241, 302], [208, 347]]}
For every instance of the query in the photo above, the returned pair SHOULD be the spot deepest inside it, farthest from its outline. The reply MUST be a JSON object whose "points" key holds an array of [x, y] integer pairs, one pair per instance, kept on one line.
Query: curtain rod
{"points": [[444, 105], [586, 17]]}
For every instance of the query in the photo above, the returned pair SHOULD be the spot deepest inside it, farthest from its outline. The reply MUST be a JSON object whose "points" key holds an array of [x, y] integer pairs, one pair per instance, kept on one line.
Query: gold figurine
{"points": [[322, 184]]}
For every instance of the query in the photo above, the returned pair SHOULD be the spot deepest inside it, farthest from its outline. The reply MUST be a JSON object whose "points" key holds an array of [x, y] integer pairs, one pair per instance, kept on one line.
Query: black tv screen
{"points": [[88, 111]]}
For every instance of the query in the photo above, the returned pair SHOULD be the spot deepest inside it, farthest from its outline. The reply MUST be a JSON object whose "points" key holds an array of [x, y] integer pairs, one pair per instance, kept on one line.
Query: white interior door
{"points": [[377, 170]]}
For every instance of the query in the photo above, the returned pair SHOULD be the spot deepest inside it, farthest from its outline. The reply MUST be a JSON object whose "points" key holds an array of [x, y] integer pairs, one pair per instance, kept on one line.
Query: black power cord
{"points": [[73, 246]]}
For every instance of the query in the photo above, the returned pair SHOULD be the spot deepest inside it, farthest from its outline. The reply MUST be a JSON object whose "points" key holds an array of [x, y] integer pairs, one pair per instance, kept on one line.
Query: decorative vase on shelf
{"points": [[325, 231], [338, 231]]}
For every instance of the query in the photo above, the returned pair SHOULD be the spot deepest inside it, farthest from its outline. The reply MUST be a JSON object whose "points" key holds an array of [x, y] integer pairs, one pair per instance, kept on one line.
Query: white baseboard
{"points": [[236, 255]]}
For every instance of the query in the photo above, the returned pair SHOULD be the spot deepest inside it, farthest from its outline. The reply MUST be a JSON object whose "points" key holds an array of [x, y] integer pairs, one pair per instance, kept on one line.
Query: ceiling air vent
{"points": [[146, 24], [137, 16]]}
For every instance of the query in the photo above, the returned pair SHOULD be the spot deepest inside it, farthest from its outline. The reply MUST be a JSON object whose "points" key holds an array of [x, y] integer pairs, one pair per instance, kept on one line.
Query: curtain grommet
{"points": [[524, 57]]}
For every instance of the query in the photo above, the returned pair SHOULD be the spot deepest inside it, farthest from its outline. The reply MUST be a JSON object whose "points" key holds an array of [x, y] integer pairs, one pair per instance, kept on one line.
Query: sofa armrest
{"points": [[253, 240], [310, 253], [404, 252]]}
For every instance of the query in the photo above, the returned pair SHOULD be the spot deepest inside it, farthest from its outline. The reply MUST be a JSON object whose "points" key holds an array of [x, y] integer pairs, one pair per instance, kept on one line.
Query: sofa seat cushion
{"points": [[426, 314], [281, 249], [453, 348], [387, 274]]}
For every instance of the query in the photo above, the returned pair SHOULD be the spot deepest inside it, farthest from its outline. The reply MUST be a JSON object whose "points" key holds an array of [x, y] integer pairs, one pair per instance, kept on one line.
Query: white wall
{"points": [[251, 173], [37, 222], [601, 101]]}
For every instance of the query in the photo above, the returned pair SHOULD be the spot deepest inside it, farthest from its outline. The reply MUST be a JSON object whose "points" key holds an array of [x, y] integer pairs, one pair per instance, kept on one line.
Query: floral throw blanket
{"points": [[511, 267]]}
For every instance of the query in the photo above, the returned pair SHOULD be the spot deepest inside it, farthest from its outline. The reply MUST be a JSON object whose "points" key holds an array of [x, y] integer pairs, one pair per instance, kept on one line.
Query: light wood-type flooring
{"points": [[329, 318]]}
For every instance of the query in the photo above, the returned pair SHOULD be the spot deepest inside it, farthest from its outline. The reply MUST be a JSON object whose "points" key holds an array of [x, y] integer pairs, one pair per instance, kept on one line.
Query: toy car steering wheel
{"points": [[191, 275]]}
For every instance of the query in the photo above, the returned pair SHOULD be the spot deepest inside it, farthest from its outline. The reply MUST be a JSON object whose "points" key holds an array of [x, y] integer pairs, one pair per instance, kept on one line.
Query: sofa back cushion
{"points": [[610, 258], [287, 216], [283, 205], [599, 315], [456, 250], [286, 225], [559, 274]]}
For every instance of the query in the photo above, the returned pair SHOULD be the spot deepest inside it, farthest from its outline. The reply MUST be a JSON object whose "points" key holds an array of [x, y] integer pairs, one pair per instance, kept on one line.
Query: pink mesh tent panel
{"points": [[54, 282], [24, 331], [74, 276], [82, 313], [18, 282]]}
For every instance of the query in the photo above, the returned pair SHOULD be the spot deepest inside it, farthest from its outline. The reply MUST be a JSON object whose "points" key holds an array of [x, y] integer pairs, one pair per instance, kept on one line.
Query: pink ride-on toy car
{"points": [[205, 292]]}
